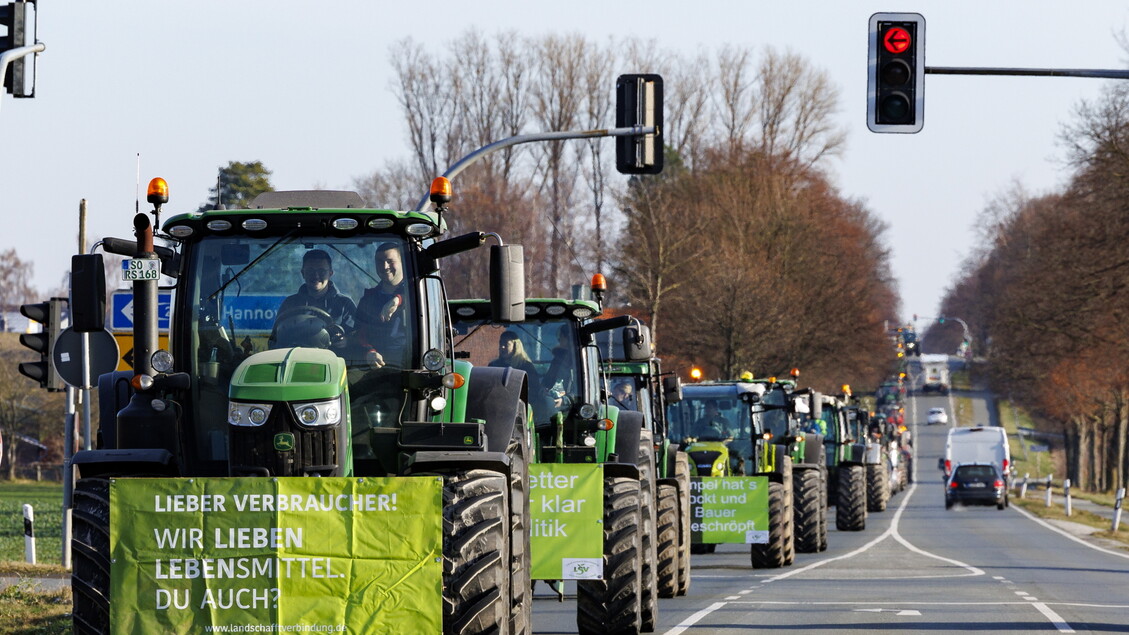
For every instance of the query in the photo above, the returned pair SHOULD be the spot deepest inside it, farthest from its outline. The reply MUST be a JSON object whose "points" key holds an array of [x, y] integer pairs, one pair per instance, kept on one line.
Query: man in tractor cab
{"points": [[713, 425], [328, 311], [381, 334]]}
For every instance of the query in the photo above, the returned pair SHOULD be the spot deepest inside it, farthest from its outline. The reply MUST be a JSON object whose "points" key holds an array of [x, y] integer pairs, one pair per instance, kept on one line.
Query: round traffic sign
{"points": [[897, 40], [67, 355]]}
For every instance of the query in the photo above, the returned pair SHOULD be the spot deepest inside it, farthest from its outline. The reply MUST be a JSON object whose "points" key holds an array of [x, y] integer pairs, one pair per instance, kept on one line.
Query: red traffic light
{"points": [[897, 40]]}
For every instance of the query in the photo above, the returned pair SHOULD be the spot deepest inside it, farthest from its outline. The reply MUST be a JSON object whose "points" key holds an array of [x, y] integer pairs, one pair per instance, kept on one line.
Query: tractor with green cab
{"points": [[248, 390]]}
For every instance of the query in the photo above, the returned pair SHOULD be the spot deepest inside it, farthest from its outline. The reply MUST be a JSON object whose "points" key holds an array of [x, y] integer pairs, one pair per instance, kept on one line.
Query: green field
{"points": [[47, 501]]}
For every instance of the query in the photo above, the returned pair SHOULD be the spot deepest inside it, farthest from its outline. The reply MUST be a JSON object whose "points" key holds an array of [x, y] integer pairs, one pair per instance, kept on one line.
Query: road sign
{"points": [[121, 315], [125, 347], [67, 355]]}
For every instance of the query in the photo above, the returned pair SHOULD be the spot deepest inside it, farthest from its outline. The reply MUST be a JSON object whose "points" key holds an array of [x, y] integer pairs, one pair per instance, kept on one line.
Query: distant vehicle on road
{"points": [[976, 484], [935, 373], [937, 415]]}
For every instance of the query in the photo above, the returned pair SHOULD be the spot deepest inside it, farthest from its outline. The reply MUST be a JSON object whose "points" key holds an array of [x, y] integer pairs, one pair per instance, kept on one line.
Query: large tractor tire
{"points": [[521, 586], [823, 496], [668, 540], [682, 475], [612, 605], [476, 553], [771, 554], [850, 507], [649, 601], [807, 503], [877, 487], [90, 551], [784, 462]]}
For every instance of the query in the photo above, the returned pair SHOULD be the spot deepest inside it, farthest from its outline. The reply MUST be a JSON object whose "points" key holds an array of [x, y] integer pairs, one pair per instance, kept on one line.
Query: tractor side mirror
{"points": [[507, 283]]}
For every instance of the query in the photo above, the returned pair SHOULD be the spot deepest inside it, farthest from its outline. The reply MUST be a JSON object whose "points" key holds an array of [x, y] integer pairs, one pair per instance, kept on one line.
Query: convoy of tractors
{"points": [[387, 381]]}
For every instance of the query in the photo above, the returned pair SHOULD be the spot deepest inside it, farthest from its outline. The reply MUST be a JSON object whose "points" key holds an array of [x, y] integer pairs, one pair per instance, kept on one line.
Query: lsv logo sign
{"points": [[582, 568]]}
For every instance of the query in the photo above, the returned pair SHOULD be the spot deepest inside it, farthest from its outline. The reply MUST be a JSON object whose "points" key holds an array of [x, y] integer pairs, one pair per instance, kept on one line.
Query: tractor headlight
{"points": [[318, 413], [248, 414], [162, 361], [718, 468]]}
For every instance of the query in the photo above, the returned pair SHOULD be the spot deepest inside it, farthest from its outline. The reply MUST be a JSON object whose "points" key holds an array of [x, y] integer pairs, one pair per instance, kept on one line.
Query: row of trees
{"points": [[742, 255], [1048, 289]]}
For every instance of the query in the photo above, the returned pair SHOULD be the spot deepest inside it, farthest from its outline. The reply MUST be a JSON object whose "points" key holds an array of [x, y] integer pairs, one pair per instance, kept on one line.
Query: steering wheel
{"points": [[303, 326]]}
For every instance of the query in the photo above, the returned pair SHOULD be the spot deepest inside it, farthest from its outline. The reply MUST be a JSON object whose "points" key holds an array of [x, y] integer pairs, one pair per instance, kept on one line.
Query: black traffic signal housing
{"points": [[18, 19], [50, 315], [896, 73], [639, 102]]}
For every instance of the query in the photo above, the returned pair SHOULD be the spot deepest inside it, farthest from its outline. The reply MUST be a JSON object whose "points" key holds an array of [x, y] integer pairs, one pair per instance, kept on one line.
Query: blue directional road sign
{"points": [[121, 317]]}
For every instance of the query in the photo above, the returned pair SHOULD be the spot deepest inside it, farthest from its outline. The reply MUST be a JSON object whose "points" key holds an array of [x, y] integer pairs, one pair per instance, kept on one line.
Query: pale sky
{"points": [[303, 87]]}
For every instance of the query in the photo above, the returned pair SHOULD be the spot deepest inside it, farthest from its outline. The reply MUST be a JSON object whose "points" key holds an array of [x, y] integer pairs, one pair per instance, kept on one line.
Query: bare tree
{"points": [[15, 277]]}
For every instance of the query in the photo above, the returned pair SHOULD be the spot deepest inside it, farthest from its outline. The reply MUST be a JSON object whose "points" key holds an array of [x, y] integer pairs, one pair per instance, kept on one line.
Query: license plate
{"points": [[978, 485], [141, 269]]}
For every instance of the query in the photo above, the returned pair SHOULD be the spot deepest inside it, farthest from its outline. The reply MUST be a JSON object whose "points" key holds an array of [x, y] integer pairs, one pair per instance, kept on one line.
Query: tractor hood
{"points": [[289, 374]]}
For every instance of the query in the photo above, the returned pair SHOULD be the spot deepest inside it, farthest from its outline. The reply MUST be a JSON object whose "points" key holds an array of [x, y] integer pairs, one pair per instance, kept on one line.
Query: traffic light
{"points": [[639, 102], [50, 315], [18, 18], [896, 80]]}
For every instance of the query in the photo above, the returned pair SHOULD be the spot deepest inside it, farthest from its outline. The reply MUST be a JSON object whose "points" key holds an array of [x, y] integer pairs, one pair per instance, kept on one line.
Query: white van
{"points": [[977, 444]]}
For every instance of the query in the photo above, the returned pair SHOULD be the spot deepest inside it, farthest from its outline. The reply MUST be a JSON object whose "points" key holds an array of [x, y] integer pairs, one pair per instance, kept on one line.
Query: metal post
{"points": [[1048, 490], [29, 534], [1117, 509], [68, 474], [1023, 486], [1066, 496]]}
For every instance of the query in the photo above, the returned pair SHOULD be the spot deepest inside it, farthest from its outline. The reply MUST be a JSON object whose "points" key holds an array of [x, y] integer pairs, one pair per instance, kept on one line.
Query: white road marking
{"points": [[1055, 619], [693, 619], [1119, 554]]}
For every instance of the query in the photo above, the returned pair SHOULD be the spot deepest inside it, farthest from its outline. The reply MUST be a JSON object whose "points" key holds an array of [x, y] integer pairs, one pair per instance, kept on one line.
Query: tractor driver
{"points": [[713, 425], [293, 325]]}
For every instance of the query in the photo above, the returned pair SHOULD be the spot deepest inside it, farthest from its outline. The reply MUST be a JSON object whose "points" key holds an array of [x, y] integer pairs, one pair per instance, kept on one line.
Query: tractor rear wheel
{"points": [[682, 475], [850, 500], [612, 605], [771, 554], [807, 503], [823, 496], [877, 487], [649, 601], [668, 540]]}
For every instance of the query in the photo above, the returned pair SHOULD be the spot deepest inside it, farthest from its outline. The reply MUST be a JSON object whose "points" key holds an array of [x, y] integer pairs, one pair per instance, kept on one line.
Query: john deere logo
{"points": [[284, 442], [468, 440]]}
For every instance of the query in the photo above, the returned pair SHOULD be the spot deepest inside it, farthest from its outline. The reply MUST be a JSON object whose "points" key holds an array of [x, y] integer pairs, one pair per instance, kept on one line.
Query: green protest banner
{"points": [[240, 555], [566, 502], [729, 509]]}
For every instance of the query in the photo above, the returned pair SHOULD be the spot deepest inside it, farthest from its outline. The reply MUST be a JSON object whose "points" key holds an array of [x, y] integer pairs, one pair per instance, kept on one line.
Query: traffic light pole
{"points": [[1029, 72]]}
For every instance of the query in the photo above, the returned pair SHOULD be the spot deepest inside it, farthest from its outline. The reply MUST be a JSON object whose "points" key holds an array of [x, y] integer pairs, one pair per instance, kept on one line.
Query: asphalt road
{"points": [[916, 568]]}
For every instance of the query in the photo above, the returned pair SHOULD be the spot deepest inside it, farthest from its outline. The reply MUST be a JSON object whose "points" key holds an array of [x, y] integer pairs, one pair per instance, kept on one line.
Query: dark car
{"points": [[976, 484]]}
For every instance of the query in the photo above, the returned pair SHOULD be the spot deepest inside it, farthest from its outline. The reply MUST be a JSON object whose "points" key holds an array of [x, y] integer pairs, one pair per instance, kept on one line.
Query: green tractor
{"points": [[252, 388], [575, 424], [846, 466], [642, 386], [720, 425], [785, 413], [866, 427]]}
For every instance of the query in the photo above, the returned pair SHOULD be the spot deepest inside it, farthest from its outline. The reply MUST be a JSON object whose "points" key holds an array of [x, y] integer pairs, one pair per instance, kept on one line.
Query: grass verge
{"points": [[23, 610]]}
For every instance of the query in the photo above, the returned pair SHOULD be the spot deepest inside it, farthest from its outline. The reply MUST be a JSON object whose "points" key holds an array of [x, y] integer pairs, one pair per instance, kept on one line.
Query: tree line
{"points": [[1048, 291]]}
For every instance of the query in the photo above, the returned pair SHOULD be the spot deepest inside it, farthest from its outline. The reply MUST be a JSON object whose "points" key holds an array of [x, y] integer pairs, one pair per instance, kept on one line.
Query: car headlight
{"points": [[318, 413], [248, 414]]}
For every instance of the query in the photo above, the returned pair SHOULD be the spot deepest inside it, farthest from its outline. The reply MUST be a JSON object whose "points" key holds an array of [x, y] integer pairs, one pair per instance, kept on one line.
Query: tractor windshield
{"points": [[775, 416], [245, 295], [546, 350]]}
